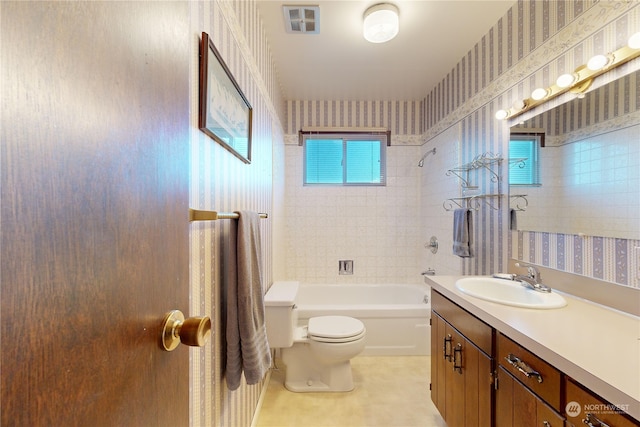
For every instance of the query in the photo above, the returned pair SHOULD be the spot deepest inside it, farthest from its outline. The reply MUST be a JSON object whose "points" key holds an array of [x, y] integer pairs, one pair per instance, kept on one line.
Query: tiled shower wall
{"points": [[221, 182], [510, 61], [376, 227], [528, 48]]}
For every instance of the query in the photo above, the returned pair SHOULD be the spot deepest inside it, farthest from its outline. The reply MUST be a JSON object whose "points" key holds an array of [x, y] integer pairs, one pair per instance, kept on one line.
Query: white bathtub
{"points": [[396, 316]]}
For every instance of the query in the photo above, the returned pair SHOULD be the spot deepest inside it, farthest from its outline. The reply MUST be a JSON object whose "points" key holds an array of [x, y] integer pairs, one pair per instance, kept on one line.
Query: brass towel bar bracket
{"points": [[196, 215]]}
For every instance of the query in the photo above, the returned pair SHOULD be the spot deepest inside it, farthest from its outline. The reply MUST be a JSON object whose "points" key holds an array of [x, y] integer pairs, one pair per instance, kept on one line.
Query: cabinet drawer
{"points": [[474, 329], [593, 407], [542, 378]]}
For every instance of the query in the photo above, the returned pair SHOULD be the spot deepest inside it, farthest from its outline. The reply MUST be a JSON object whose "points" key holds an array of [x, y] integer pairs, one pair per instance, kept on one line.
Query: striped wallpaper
{"points": [[221, 182], [527, 48], [533, 42], [609, 107], [400, 117], [605, 258]]}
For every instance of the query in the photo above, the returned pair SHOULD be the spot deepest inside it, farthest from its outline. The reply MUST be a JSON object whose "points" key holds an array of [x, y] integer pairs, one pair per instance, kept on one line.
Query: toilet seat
{"points": [[335, 329]]}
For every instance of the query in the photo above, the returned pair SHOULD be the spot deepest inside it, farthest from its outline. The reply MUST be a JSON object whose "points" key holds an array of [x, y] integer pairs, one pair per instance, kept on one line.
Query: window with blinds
{"points": [[524, 160], [350, 159]]}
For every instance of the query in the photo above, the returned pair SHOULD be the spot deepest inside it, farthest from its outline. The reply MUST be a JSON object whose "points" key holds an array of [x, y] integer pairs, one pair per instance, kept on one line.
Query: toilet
{"points": [[317, 356]]}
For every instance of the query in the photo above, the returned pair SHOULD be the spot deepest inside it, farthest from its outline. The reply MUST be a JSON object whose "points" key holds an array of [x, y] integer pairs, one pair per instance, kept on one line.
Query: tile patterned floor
{"points": [[390, 392]]}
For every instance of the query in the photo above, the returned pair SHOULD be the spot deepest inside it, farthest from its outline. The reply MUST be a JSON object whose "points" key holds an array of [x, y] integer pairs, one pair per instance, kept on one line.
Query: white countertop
{"points": [[597, 346]]}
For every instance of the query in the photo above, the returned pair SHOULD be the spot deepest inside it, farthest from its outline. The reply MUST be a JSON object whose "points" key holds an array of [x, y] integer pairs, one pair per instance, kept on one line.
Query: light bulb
{"points": [[634, 41], [539, 93], [502, 114], [598, 62], [565, 80], [519, 104]]}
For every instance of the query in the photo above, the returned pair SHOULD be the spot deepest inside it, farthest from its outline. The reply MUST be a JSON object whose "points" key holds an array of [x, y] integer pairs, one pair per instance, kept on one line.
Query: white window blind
{"points": [[352, 159], [524, 160]]}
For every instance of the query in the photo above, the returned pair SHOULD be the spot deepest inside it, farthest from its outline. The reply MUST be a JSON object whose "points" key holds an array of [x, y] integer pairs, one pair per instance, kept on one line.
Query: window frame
{"points": [[346, 137]]}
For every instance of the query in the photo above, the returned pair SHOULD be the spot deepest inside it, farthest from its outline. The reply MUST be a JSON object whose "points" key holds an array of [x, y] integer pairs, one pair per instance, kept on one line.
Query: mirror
{"points": [[589, 166]]}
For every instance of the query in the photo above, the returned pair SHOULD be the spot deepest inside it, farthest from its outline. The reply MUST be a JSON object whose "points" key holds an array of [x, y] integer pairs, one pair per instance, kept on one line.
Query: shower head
{"points": [[421, 162]]}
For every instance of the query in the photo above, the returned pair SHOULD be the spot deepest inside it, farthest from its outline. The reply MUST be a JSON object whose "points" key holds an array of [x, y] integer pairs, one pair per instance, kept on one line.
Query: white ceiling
{"points": [[339, 64]]}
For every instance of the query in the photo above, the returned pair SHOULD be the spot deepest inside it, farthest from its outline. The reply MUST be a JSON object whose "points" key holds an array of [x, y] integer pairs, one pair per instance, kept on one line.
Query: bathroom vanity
{"points": [[493, 364]]}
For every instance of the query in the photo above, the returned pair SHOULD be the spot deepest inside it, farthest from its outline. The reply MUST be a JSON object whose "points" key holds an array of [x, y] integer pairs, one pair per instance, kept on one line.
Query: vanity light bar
{"points": [[578, 81]]}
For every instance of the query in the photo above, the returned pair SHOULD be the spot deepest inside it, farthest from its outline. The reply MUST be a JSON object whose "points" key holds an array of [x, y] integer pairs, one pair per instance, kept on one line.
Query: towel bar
{"points": [[196, 215]]}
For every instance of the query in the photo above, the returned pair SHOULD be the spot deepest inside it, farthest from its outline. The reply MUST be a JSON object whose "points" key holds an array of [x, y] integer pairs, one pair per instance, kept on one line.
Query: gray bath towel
{"points": [[462, 229], [247, 346]]}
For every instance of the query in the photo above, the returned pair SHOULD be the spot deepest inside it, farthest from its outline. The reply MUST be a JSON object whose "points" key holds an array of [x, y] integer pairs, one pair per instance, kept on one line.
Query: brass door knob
{"points": [[193, 331]]}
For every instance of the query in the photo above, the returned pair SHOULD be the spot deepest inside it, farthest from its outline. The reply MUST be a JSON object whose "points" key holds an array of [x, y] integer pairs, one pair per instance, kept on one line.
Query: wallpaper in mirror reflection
{"points": [[589, 167]]}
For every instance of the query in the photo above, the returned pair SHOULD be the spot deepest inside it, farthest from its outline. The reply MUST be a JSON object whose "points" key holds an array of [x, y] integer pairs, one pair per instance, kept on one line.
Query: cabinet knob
{"points": [[194, 331]]}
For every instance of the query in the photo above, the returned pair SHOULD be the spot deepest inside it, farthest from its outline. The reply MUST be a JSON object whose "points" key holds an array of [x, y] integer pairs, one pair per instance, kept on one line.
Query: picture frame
{"points": [[224, 112]]}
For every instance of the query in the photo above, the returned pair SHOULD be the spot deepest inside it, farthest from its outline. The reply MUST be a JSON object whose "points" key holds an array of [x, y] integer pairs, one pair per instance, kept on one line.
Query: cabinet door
{"points": [[440, 350], [468, 384], [454, 379], [461, 373], [517, 406]]}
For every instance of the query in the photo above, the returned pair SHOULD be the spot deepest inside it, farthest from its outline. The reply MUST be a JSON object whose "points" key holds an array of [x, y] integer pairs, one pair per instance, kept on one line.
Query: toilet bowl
{"points": [[317, 356]]}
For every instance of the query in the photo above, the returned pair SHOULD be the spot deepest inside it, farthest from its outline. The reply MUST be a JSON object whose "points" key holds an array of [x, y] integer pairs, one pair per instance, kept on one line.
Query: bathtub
{"points": [[396, 316]]}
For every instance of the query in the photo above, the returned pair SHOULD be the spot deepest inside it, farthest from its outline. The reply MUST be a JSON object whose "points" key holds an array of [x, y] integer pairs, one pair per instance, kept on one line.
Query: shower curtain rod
{"points": [[197, 215]]}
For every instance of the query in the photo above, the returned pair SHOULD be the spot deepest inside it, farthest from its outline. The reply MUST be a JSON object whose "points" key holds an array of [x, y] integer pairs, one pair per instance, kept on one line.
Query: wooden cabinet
{"points": [[461, 371], [517, 406], [516, 389], [585, 407], [533, 372]]}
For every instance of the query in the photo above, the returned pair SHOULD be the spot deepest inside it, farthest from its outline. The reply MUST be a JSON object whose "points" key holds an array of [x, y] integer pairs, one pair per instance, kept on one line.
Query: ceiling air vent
{"points": [[302, 19]]}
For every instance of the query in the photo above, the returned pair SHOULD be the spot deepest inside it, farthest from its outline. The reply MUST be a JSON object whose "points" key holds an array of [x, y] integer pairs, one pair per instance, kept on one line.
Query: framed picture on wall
{"points": [[225, 114]]}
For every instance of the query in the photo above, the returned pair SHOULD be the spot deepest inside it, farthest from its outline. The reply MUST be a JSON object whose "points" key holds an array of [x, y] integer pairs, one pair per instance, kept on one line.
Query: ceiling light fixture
{"points": [[381, 23]]}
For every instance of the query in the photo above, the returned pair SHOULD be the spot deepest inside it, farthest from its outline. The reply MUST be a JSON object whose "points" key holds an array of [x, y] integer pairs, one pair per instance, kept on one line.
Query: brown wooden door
{"points": [[95, 163]]}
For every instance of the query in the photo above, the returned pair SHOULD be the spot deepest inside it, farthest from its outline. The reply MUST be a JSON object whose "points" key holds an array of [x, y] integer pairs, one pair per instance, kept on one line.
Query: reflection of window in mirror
{"points": [[524, 160]]}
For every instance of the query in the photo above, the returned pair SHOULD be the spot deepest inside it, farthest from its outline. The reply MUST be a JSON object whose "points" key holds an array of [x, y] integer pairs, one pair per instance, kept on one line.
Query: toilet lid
{"points": [[334, 327]]}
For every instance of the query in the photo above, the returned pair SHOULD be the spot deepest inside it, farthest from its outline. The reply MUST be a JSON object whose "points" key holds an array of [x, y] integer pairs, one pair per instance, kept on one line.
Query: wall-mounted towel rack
{"points": [[472, 202], [483, 161], [196, 215], [519, 202]]}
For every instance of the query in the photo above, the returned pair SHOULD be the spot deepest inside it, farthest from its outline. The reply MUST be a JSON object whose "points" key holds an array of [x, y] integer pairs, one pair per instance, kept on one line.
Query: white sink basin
{"points": [[509, 292]]}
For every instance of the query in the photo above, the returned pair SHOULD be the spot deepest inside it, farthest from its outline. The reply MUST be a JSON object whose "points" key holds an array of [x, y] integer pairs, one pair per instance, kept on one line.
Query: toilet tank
{"points": [[281, 317]]}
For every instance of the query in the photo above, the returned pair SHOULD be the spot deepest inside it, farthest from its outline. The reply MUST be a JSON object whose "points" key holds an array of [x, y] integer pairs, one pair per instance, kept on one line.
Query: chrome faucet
{"points": [[532, 279]]}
